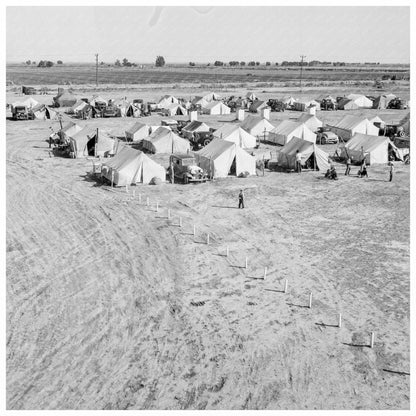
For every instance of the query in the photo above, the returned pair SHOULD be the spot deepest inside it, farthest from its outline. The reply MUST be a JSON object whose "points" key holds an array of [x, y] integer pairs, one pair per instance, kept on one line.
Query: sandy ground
{"points": [[110, 305]]}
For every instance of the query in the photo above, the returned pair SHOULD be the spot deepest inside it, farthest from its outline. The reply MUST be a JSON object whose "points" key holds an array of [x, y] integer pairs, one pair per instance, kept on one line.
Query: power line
{"points": [[96, 69], [301, 71]]}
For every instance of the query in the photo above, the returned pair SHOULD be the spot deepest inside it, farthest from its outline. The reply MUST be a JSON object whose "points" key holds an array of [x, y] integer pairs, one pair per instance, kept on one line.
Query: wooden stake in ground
{"points": [[140, 198], [227, 252], [134, 193], [208, 238], [127, 189], [339, 320], [147, 201], [285, 288], [246, 263], [112, 178], [194, 230], [265, 273], [157, 206], [372, 340], [310, 300], [168, 214], [180, 222]]}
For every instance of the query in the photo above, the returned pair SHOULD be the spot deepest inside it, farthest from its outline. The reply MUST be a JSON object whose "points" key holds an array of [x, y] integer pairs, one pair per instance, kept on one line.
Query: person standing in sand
{"points": [[391, 170], [172, 174], [298, 162], [241, 199], [348, 170]]}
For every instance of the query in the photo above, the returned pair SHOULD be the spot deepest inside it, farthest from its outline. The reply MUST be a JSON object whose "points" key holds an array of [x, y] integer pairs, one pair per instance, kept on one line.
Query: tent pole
{"points": [[95, 145]]}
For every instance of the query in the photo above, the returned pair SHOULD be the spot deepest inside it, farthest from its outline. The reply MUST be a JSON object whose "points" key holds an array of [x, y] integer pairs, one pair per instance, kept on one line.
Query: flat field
{"points": [[84, 74], [110, 305]]}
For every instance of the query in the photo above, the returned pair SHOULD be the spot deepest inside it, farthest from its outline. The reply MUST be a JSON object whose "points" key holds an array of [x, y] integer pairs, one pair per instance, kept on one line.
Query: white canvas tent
{"points": [[216, 108], [311, 121], [234, 133], [86, 143], [211, 96], [137, 132], [349, 125], [127, 109], [288, 129], [163, 140], [42, 112], [199, 102], [166, 101], [194, 127], [375, 149], [69, 129], [174, 109], [360, 100], [221, 157], [312, 156], [288, 100], [77, 107], [97, 99], [257, 126], [130, 166]]}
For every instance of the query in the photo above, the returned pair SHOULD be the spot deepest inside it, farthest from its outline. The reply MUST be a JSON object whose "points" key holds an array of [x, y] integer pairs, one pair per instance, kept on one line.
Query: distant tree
{"points": [[233, 63], [34, 63], [251, 63], [257, 63], [28, 62], [268, 63], [160, 61], [126, 62], [242, 63], [277, 63], [117, 63], [41, 64], [59, 62], [48, 64], [218, 63], [208, 64], [102, 63], [191, 63]]}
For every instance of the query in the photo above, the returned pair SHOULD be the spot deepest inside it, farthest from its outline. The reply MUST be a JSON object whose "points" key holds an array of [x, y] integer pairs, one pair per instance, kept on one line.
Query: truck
{"points": [[276, 105], [186, 169], [201, 138], [20, 112]]}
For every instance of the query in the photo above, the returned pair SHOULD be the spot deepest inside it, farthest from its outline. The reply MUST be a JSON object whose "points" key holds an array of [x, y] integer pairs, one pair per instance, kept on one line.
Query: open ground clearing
{"points": [[110, 305]]}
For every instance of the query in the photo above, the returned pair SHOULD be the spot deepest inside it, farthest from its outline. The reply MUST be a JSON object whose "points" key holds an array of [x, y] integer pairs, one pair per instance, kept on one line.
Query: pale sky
{"points": [[205, 34]]}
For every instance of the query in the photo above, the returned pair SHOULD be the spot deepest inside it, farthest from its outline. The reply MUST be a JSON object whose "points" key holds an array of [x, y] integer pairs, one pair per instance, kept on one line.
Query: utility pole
{"points": [[96, 69], [301, 69]]}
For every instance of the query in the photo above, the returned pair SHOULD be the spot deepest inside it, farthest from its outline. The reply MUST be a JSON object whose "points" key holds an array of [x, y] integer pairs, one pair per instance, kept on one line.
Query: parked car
{"points": [[186, 169], [325, 136], [200, 139], [111, 111]]}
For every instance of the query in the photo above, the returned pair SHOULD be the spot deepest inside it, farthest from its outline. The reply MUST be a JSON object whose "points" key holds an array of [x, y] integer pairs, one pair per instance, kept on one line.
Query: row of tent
{"points": [[220, 158], [245, 134]]}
